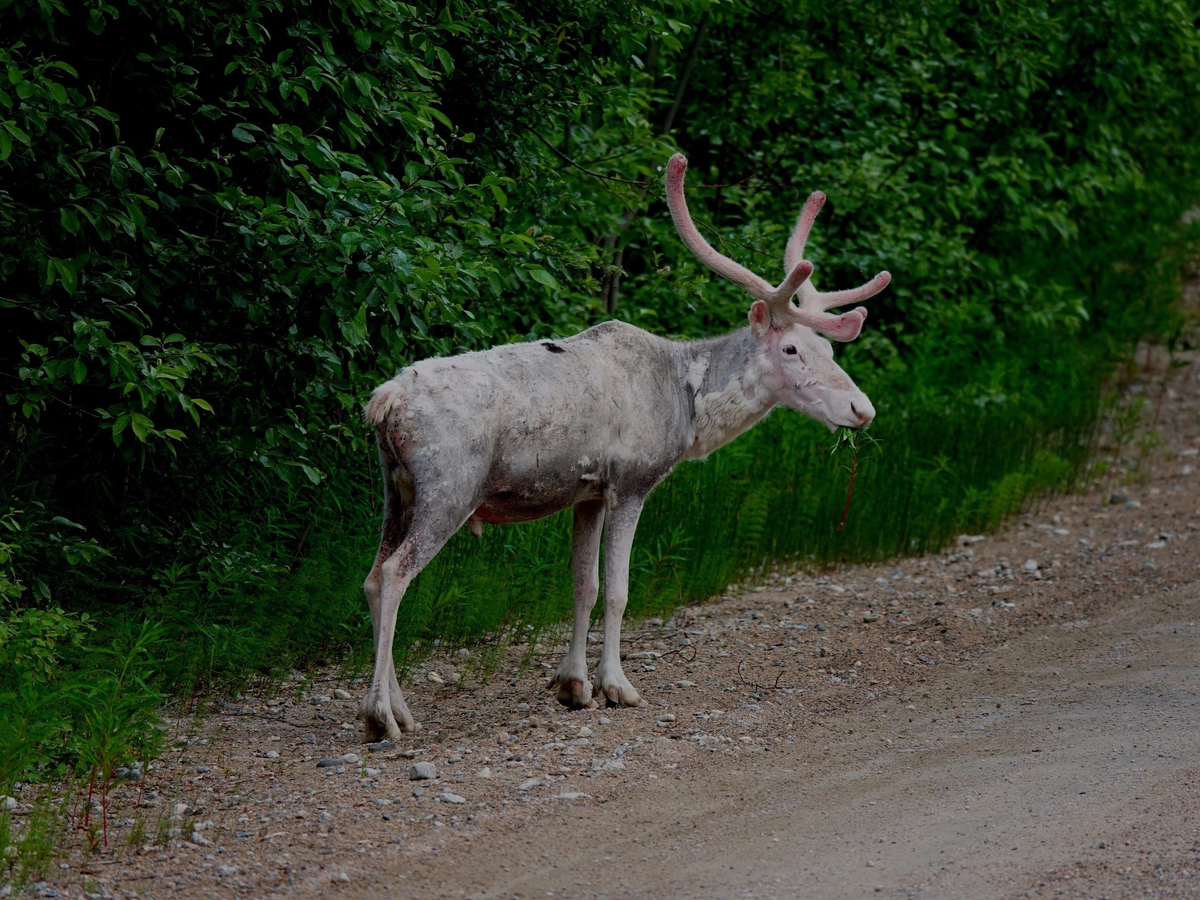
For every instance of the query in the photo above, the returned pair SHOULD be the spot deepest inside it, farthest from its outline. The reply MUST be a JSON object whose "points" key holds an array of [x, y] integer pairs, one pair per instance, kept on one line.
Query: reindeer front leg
{"points": [[610, 680], [570, 682]]}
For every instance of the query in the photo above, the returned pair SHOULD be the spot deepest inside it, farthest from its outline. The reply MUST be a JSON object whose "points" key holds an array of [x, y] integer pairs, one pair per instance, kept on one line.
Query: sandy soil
{"points": [[1017, 716]]}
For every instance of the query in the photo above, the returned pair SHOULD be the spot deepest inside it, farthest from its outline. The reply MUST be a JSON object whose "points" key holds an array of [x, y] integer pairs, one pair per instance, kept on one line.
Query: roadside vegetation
{"points": [[222, 224]]}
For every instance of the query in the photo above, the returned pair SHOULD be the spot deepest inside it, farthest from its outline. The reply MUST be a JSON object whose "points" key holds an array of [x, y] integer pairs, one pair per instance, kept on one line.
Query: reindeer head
{"points": [[791, 340]]}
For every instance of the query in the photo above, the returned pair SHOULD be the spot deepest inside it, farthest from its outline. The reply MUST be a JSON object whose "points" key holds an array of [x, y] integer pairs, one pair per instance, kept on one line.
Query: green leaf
{"points": [[541, 276], [243, 135], [203, 404], [79, 371]]}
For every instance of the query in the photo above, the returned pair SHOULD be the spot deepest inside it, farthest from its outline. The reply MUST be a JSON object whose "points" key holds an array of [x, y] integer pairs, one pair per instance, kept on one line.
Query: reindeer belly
{"points": [[507, 507]]}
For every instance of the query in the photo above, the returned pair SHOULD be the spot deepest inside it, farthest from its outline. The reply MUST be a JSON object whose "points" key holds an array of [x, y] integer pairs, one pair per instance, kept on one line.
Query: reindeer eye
{"points": [[789, 350]]}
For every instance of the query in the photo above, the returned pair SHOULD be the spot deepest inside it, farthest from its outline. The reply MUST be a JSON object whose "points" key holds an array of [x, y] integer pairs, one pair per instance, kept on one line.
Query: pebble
{"points": [[1156, 545], [655, 622], [1031, 565], [585, 732], [571, 795], [684, 683], [382, 801], [418, 792], [667, 717], [380, 746], [10, 803], [341, 694], [1131, 504], [435, 678], [342, 878], [328, 763], [604, 720], [309, 738], [228, 870], [371, 772], [485, 772], [529, 783], [200, 840], [349, 758], [422, 771], [272, 754], [452, 798], [1118, 498]]}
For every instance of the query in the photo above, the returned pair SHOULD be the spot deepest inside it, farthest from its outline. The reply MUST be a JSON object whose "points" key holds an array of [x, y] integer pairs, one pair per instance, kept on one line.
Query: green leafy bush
{"points": [[221, 224]]}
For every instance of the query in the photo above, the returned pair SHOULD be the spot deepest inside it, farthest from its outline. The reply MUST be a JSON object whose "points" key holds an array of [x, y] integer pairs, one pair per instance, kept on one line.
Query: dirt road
{"points": [[1070, 763], [1016, 716]]}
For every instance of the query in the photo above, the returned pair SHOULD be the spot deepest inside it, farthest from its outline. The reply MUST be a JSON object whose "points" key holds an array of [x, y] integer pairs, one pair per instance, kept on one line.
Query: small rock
{"points": [[342, 878], [321, 698], [571, 795], [1186, 470], [1118, 498], [434, 677], [10, 803], [1149, 566], [604, 720], [422, 771], [1031, 565], [340, 694], [349, 758], [328, 763], [1102, 845], [227, 870], [585, 732], [1131, 504], [655, 622], [371, 772], [309, 738], [529, 783], [684, 683], [485, 772], [180, 811], [418, 792], [1156, 545], [382, 801], [667, 717], [200, 840], [380, 746], [452, 798]]}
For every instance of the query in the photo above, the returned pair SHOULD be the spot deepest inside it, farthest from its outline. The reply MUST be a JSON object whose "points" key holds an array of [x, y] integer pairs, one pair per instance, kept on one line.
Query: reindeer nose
{"points": [[863, 417]]}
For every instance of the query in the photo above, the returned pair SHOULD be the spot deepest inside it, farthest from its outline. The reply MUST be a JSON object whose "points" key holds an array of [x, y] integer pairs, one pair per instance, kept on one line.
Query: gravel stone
{"points": [[422, 771]]}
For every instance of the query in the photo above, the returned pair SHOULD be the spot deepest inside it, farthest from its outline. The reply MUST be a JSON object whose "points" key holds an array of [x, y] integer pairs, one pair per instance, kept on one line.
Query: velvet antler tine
{"points": [[843, 328], [722, 265], [804, 223], [782, 295], [833, 299]]}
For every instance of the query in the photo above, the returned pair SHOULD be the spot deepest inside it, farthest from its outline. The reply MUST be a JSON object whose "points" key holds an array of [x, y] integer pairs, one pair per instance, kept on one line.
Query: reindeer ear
{"points": [[760, 319]]}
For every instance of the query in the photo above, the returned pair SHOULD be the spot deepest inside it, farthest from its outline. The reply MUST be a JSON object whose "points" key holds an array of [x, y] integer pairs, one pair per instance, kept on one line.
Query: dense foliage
{"points": [[222, 223]]}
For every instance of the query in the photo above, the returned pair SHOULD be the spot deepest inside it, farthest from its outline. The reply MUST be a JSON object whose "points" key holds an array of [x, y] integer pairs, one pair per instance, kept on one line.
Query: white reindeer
{"points": [[592, 422]]}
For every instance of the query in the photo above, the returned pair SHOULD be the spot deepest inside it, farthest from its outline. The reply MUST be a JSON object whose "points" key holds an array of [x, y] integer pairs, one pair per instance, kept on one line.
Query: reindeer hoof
{"points": [[573, 693], [623, 695], [379, 723]]}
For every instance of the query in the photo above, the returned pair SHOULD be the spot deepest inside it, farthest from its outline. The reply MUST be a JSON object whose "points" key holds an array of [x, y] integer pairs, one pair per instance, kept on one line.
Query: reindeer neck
{"points": [[724, 377]]}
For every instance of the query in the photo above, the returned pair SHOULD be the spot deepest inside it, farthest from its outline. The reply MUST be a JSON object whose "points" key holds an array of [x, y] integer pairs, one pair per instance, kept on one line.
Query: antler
{"points": [[817, 301], [812, 311]]}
